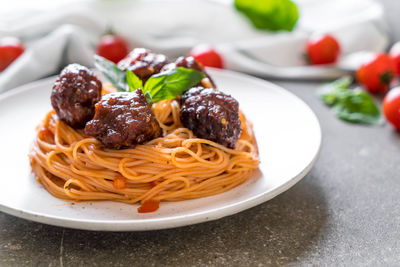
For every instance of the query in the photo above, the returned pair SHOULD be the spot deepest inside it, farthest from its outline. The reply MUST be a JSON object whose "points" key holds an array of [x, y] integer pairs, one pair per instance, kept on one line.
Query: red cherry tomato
{"points": [[377, 73], [322, 49], [10, 49], [391, 107], [112, 47], [395, 55], [207, 56]]}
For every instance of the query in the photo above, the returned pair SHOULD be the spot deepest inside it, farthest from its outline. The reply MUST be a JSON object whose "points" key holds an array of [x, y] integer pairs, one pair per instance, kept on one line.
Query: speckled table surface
{"points": [[346, 211]]}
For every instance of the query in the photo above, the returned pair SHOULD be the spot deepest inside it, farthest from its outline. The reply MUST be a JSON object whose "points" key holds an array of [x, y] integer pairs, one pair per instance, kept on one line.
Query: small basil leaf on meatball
{"points": [[123, 119], [143, 63], [74, 95], [190, 63], [211, 115]]}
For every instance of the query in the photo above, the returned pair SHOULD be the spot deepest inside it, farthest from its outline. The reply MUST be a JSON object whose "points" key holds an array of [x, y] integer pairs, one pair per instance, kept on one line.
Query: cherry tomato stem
{"points": [[377, 73]]}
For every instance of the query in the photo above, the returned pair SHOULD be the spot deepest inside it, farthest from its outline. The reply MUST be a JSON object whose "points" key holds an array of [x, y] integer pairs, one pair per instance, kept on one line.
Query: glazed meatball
{"points": [[123, 119], [74, 94], [143, 63], [190, 63], [212, 115]]}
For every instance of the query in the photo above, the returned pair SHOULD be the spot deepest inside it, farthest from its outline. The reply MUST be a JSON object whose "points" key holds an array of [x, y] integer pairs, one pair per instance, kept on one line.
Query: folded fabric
{"points": [[68, 31]]}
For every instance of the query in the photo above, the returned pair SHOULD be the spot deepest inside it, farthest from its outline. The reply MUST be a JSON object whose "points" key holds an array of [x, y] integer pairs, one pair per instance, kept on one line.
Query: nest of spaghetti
{"points": [[173, 165]]}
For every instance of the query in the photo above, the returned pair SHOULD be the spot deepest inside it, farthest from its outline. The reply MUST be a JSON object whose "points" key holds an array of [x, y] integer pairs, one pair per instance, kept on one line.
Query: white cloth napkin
{"points": [[60, 32]]}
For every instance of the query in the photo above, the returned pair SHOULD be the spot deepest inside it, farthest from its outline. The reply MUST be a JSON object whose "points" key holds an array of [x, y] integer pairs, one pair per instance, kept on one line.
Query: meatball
{"points": [[143, 63], [74, 94], [190, 63], [212, 115], [123, 119]]}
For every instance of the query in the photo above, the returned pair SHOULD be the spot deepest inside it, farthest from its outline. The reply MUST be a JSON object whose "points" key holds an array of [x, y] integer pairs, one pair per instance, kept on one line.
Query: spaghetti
{"points": [[176, 166]]}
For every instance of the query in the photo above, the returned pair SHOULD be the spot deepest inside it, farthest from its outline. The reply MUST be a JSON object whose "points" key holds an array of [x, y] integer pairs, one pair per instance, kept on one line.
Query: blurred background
{"points": [[55, 33]]}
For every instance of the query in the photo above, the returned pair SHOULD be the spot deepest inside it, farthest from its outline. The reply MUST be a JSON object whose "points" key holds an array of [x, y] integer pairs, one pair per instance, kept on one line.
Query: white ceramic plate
{"points": [[287, 131]]}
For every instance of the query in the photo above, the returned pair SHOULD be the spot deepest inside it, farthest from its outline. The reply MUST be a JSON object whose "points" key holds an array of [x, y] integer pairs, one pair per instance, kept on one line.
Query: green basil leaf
{"points": [[161, 86], [330, 92], [351, 105], [116, 76], [358, 106], [133, 81], [149, 99], [271, 15], [168, 85]]}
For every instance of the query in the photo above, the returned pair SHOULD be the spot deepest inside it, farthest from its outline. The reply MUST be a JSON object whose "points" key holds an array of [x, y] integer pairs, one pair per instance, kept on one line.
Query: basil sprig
{"points": [[351, 105], [165, 85], [273, 15], [161, 86], [133, 81], [116, 76]]}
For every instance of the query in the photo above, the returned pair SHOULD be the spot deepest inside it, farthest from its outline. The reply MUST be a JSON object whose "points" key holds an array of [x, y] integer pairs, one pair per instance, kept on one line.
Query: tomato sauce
{"points": [[150, 205]]}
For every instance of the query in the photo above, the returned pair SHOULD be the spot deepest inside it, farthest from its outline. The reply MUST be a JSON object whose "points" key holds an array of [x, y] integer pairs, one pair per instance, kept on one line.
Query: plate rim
{"points": [[175, 221]]}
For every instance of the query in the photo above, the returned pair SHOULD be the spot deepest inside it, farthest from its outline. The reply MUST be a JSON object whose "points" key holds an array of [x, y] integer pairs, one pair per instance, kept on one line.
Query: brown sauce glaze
{"points": [[74, 94], [212, 115], [123, 119]]}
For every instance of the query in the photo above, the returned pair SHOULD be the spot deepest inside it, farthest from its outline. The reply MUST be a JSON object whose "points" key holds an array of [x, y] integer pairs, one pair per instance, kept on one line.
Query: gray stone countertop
{"points": [[346, 211]]}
